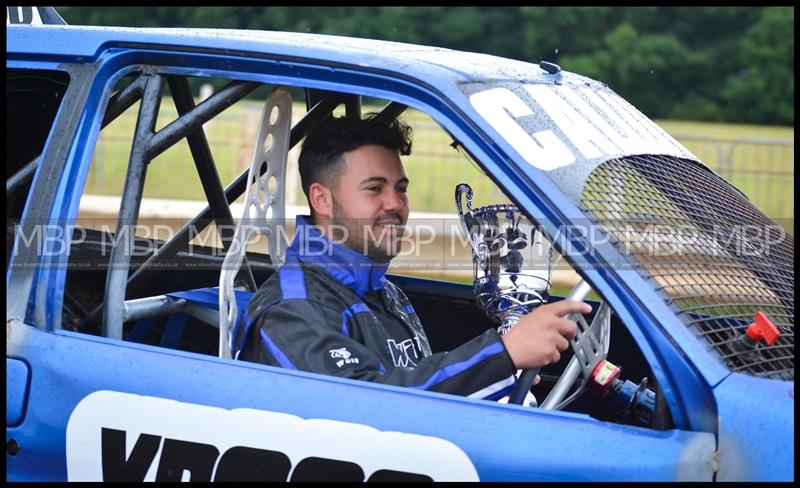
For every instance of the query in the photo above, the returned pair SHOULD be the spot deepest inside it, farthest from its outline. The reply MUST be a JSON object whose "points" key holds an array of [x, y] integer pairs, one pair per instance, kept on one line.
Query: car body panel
{"points": [[752, 420], [574, 447]]}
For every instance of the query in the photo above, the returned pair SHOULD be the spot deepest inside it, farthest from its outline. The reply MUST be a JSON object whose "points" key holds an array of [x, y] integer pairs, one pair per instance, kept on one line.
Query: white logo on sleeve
{"points": [[343, 356], [404, 353]]}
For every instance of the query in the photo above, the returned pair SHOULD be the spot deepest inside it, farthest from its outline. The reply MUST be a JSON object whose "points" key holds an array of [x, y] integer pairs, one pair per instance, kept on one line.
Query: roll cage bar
{"points": [[148, 143]]}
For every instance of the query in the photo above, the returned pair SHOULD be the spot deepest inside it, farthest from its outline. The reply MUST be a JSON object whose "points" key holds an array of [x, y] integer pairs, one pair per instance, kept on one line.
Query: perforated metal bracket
{"points": [[264, 206]]}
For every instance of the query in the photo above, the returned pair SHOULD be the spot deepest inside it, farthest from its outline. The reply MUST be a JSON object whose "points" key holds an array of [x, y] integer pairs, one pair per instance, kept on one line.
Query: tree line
{"points": [[715, 64]]}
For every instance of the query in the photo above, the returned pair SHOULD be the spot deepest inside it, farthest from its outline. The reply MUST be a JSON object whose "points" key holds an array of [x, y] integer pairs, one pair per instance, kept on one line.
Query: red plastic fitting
{"points": [[602, 377], [763, 329]]}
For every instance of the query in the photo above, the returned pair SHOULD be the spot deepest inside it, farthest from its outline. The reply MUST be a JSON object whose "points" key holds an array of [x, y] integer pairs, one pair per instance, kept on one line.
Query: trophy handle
{"points": [[468, 220], [461, 189]]}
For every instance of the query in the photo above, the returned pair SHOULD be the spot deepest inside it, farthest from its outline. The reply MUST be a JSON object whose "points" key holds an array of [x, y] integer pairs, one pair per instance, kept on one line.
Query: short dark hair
{"points": [[320, 158]]}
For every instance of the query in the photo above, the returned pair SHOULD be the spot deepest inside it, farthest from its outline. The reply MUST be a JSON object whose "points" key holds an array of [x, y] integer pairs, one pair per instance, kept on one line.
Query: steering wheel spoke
{"points": [[590, 347]]}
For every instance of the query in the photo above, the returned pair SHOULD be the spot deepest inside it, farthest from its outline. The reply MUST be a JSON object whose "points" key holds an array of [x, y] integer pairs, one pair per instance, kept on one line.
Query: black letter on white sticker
{"points": [[179, 456], [115, 466], [322, 469], [250, 464], [392, 475]]}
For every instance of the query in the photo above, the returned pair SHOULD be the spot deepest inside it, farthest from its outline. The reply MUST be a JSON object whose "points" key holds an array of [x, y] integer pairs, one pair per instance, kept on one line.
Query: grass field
{"points": [[726, 131], [763, 170]]}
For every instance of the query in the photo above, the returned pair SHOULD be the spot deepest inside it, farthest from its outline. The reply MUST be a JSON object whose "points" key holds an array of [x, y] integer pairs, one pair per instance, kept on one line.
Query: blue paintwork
{"points": [[756, 423], [702, 395], [572, 446], [17, 376], [85, 44]]}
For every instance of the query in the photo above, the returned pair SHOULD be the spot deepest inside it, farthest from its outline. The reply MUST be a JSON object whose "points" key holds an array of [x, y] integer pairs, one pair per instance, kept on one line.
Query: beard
{"points": [[379, 241]]}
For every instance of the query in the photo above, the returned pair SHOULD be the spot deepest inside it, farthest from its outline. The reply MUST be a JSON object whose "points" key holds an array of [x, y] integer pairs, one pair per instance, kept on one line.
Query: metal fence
{"points": [[761, 168]]}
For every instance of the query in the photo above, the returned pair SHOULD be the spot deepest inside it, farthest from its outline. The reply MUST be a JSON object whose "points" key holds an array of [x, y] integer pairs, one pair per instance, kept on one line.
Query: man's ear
{"points": [[321, 200]]}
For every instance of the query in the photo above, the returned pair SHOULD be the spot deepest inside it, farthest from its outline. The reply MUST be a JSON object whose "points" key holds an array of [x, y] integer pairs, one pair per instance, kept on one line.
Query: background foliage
{"points": [[713, 64]]}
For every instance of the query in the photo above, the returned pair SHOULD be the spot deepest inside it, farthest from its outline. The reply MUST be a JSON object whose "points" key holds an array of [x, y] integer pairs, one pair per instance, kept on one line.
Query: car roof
{"points": [[426, 62]]}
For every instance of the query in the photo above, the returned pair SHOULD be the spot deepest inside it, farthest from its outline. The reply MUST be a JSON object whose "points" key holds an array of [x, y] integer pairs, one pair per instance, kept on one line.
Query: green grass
{"points": [[725, 131]]}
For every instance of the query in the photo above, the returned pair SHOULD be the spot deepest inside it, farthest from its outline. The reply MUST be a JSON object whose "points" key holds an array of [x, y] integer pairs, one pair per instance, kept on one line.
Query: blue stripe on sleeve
{"points": [[350, 312], [408, 309], [249, 325], [276, 352], [496, 390], [503, 392], [235, 333], [293, 283], [456, 368]]}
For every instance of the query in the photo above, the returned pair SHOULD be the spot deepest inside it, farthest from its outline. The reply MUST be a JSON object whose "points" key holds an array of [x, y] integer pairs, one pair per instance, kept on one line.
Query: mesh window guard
{"points": [[714, 257]]}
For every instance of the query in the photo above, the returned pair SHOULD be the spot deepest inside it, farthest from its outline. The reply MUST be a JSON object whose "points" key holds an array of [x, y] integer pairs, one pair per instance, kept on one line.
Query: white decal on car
{"points": [[580, 132], [23, 15], [593, 122], [501, 108], [116, 436]]}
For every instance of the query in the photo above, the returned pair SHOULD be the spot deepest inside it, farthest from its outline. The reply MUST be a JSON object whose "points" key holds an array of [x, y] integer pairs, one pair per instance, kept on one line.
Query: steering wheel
{"points": [[590, 346]]}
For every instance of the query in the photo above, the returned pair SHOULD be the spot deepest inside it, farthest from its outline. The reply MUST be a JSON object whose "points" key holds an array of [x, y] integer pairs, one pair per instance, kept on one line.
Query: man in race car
{"points": [[330, 309]]}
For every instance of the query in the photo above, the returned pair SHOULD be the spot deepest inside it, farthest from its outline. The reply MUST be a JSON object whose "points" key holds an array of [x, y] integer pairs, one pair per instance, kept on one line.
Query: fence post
{"points": [[292, 173], [728, 162]]}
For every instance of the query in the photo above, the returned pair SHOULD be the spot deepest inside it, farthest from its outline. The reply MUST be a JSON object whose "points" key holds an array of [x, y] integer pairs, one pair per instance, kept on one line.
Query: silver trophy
{"points": [[511, 259]]}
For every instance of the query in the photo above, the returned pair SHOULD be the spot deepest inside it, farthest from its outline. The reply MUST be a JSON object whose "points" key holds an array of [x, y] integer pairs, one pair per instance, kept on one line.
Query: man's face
{"points": [[370, 202]]}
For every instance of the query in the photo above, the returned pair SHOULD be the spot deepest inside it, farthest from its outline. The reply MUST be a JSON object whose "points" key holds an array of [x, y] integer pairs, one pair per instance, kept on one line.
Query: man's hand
{"points": [[539, 338]]}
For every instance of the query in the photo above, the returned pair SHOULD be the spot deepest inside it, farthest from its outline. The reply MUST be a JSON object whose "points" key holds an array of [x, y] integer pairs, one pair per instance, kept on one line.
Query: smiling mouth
{"points": [[389, 220], [389, 228]]}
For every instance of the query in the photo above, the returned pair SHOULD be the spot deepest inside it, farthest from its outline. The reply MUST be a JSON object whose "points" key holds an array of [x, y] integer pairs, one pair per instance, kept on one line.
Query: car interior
{"points": [[138, 293]]}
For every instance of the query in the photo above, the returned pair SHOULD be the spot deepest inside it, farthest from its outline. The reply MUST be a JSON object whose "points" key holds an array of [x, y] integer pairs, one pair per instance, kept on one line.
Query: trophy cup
{"points": [[511, 263], [511, 260]]}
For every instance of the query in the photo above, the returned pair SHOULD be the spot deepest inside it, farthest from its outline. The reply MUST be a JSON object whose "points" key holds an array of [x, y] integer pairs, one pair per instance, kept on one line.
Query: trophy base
{"points": [[508, 294]]}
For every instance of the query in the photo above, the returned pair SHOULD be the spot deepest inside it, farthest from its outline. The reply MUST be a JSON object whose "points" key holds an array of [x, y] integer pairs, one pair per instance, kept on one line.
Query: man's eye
{"points": [[374, 189], [402, 190]]}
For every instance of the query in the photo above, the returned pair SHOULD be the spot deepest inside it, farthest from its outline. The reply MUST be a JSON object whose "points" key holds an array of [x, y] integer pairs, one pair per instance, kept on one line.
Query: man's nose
{"points": [[393, 200]]}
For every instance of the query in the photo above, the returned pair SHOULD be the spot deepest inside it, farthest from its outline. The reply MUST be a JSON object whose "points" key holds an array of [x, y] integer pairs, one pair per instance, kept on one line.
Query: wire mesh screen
{"points": [[714, 256]]}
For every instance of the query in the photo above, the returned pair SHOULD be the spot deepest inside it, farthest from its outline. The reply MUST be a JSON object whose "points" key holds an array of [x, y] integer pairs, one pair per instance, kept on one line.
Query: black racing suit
{"points": [[311, 315]]}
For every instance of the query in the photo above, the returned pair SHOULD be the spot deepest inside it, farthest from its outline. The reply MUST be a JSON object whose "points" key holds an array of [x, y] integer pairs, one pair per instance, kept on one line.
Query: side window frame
{"points": [[37, 234]]}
